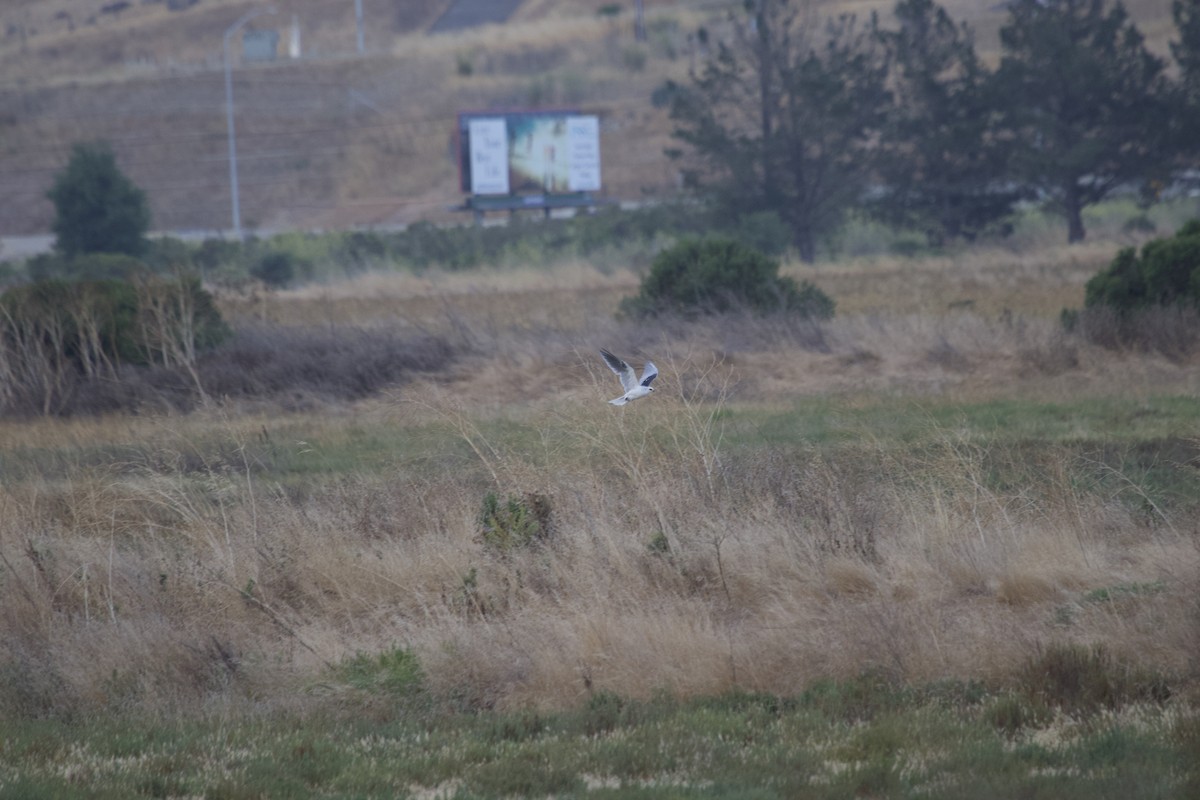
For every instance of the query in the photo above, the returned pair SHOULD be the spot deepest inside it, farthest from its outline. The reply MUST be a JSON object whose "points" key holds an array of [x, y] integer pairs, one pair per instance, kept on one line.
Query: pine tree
{"points": [[784, 116], [98, 209], [944, 166], [1089, 105]]}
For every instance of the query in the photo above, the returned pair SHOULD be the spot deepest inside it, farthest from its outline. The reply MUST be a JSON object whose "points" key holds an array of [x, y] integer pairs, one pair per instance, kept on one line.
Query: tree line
{"points": [[809, 117]]}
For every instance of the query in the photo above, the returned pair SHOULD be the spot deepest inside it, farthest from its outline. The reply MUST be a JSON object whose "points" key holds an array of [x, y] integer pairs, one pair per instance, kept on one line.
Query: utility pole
{"points": [[233, 176], [358, 19]]}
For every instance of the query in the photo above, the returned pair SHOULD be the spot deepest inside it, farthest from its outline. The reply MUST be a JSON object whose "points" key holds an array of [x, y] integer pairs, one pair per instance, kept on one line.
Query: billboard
{"points": [[529, 152]]}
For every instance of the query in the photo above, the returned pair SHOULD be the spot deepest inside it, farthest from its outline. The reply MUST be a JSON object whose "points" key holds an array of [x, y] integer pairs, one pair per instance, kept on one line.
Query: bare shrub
{"points": [[290, 367], [61, 342], [344, 363], [1172, 331], [1084, 680]]}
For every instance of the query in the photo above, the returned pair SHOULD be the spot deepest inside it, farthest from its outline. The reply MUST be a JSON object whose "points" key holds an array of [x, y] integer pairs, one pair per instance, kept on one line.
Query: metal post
{"points": [[358, 18], [233, 175]]}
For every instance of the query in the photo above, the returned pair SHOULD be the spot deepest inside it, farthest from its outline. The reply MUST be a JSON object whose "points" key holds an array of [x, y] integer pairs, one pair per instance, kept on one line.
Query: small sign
{"points": [[489, 155], [260, 45], [583, 146]]}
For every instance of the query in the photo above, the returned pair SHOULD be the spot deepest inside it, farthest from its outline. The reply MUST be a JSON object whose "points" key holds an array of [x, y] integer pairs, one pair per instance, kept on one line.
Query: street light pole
{"points": [[233, 175], [359, 24]]}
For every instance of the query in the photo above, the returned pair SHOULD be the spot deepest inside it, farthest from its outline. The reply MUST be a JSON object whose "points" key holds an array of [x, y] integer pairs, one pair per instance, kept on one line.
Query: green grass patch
{"points": [[932, 742], [826, 421]]}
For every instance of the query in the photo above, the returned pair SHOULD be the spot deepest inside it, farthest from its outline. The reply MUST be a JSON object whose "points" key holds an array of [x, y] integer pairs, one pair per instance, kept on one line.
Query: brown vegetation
{"points": [[232, 555]]}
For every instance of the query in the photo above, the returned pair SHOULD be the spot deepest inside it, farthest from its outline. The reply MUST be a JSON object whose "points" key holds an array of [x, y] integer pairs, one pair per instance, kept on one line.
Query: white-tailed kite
{"points": [[633, 388]]}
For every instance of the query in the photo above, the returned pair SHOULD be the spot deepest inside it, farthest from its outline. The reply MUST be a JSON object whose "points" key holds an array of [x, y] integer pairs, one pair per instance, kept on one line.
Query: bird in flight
{"points": [[629, 382]]}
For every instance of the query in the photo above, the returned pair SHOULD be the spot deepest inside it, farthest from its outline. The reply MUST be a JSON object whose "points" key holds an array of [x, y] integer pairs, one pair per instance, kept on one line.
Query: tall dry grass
{"points": [[226, 559], [183, 577]]}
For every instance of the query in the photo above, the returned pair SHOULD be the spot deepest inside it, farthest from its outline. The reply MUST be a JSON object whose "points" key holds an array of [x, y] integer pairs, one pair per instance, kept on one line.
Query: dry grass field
{"points": [[940, 487], [933, 484], [937, 546]]}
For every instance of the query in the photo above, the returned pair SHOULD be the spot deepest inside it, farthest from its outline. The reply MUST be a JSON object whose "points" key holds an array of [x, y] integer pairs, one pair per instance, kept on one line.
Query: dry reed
{"points": [[675, 564]]}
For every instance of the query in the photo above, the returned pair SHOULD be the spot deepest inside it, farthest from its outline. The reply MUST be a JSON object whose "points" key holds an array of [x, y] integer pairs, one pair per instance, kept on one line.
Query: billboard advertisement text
{"points": [[535, 152]]}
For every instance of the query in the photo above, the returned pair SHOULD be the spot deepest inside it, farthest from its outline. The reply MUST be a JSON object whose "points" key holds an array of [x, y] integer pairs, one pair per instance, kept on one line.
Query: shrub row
{"points": [[291, 258]]}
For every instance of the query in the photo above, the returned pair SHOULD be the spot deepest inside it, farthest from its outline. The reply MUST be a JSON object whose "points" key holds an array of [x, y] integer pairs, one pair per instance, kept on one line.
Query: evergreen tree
{"points": [[1186, 52], [1088, 104], [944, 166], [98, 209], [784, 117]]}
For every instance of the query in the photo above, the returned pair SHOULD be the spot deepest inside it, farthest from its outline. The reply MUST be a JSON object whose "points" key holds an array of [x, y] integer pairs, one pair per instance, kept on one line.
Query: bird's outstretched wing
{"points": [[649, 373], [624, 371]]}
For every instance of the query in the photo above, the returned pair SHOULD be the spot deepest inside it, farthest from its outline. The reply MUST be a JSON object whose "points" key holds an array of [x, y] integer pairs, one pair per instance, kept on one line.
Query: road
{"points": [[469, 13]]}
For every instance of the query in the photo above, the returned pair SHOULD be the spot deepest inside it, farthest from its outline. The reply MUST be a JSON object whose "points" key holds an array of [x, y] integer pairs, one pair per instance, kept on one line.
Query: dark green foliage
{"points": [[718, 275], [1089, 105], [762, 230], [1166, 273], [941, 158], [275, 269], [85, 267], [785, 118], [517, 522], [97, 208], [164, 254], [1186, 52], [214, 253]]}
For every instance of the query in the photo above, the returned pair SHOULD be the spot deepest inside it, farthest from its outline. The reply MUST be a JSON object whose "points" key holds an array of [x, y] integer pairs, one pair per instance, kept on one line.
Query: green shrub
{"points": [[716, 275], [762, 230], [360, 250], [168, 253], [393, 672], [1166, 273], [276, 269], [515, 523], [84, 267], [215, 253]]}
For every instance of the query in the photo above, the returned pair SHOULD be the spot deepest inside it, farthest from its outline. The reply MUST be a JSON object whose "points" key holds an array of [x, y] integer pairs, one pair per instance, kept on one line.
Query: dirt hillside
{"points": [[335, 138]]}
